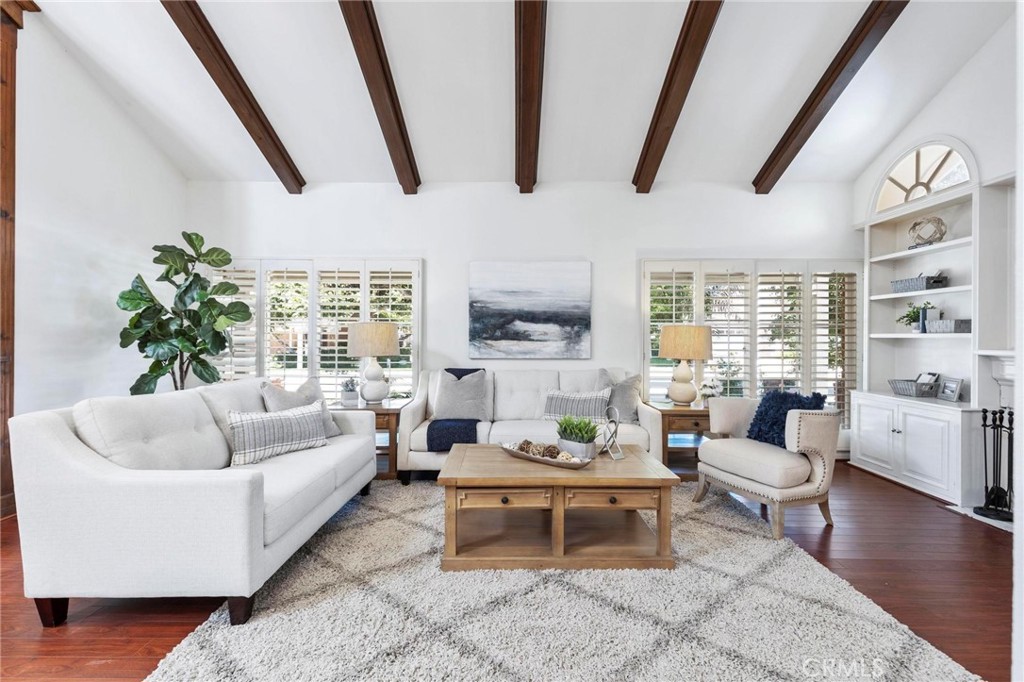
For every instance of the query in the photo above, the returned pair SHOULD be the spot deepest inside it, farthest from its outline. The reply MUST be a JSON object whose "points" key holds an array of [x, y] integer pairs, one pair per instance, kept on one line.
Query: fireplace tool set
{"points": [[998, 500]]}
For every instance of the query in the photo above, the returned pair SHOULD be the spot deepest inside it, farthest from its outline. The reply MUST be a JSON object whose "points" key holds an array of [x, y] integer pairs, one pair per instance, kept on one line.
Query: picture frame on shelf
{"points": [[949, 389]]}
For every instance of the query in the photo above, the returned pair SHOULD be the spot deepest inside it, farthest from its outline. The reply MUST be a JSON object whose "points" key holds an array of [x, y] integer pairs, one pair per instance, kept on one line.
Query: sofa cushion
{"points": [[461, 398], [159, 431], [761, 462], [276, 399], [347, 454], [240, 396], [581, 380], [544, 431], [520, 394], [625, 397], [418, 438], [293, 485], [769, 422], [434, 382], [256, 436]]}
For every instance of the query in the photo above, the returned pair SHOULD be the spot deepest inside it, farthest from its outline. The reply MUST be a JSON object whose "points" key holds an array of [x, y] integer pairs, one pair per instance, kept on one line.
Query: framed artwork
{"points": [[949, 389], [529, 310]]}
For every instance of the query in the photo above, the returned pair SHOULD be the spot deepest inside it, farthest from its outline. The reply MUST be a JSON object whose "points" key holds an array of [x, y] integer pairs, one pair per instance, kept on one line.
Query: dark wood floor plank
{"points": [[949, 578]]}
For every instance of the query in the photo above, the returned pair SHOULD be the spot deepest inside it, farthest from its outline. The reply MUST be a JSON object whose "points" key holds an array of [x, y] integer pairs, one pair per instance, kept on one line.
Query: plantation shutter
{"points": [[780, 331], [286, 310], [391, 299], [670, 302], [239, 361], [727, 312], [834, 338], [338, 304]]}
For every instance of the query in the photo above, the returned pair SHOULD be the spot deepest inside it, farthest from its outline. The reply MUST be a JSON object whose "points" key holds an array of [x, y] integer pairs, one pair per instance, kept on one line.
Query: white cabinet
{"points": [[920, 443]]}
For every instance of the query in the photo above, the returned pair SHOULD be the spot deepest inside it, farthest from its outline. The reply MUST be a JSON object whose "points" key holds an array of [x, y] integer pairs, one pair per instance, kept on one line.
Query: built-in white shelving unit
{"points": [[923, 293]]}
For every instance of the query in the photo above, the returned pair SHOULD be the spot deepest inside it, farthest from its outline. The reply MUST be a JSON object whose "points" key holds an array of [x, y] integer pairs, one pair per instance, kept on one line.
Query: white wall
{"points": [[93, 194], [977, 106], [450, 225]]}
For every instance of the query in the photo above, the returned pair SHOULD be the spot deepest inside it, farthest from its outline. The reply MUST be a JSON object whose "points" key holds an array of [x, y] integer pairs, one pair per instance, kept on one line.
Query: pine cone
{"points": [[551, 451], [524, 446]]}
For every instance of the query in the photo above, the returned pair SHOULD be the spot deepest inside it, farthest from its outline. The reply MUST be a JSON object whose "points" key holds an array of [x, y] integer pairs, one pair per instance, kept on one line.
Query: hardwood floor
{"points": [[947, 577]]}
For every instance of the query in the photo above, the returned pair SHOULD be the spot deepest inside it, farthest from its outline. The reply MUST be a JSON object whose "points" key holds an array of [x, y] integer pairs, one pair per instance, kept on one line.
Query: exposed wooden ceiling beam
{"points": [[200, 35], [373, 60], [15, 10], [531, 19], [682, 69], [876, 22]]}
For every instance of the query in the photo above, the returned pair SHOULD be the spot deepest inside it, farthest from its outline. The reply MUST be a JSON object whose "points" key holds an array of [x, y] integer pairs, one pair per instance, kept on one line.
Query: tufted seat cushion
{"points": [[761, 462]]}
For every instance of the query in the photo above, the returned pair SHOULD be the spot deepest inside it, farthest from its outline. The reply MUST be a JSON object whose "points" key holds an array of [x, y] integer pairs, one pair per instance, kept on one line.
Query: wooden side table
{"points": [[675, 419], [386, 420]]}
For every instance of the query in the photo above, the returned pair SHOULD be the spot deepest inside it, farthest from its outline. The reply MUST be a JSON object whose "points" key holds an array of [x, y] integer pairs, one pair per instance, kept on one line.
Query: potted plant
{"points": [[912, 316], [349, 392], [576, 435], [710, 388]]}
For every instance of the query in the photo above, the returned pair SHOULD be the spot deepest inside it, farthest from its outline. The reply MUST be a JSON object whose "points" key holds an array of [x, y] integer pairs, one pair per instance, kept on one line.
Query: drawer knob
{"points": [[504, 500], [612, 500], [696, 423]]}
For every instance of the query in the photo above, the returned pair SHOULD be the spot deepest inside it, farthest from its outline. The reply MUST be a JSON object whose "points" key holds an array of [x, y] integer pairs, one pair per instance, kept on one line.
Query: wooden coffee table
{"points": [[503, 512]]}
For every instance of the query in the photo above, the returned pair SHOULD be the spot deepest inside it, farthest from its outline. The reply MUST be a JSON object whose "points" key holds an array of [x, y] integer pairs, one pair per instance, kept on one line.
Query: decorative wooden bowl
{"points": [[546, 460]]}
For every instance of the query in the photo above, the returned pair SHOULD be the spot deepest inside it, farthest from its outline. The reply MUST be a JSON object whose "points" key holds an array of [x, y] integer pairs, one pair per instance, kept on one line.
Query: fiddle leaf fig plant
{"points": [[181, 337]]}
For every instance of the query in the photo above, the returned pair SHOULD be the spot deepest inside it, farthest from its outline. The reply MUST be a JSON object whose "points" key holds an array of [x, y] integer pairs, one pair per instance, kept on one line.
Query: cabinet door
{"points": [[926, 449], [873, 428]]}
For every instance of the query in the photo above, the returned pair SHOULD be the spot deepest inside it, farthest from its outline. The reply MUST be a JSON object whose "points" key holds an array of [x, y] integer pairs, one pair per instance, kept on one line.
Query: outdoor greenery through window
{"points": [[304, 308], [789, 325]]}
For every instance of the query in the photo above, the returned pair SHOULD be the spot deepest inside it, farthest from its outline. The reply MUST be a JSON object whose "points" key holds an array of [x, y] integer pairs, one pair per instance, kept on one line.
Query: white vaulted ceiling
{"points": [[453, 68]]}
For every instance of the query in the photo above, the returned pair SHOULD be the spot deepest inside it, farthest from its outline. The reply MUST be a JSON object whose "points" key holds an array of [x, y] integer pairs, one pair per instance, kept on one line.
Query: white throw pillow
{"points": [[277, 399], [257, 436]]}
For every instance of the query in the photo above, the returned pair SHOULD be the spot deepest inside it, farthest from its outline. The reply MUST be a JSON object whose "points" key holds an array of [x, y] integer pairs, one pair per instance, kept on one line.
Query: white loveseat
{"points": [[515, 405], [133, 497]]}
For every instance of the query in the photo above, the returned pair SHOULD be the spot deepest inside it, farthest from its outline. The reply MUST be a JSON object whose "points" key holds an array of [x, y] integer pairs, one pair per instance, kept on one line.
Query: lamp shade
{"points": [[685, 342], [372, 339]]}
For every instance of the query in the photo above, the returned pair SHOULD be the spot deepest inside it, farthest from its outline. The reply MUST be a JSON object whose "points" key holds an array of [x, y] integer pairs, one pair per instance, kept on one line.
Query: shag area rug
{"points": [[365, 599]]}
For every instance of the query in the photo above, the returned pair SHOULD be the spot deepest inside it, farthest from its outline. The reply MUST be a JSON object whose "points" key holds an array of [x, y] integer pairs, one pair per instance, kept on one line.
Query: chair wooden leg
{"points": [[703, 484], [365, 490], [239, 609], [823, 506], [53, 611], [778, 520]]}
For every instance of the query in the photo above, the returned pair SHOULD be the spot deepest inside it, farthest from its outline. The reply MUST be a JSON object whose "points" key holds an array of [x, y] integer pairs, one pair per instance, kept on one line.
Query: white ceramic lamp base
{"points": [[682, 391], [375, 389]]}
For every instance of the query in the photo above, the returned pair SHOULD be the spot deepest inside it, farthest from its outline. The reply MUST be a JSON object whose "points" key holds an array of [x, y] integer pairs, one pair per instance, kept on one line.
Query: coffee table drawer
{"points": [[612, 498], [697, 424], [498, 498]]}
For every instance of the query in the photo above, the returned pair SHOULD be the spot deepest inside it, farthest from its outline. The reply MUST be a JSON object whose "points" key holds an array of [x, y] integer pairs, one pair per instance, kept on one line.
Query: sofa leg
{"points": [[703, 484], [239, 609], [405, 477], [52, 611], [778, 520], [365, 490], [823, 506]]}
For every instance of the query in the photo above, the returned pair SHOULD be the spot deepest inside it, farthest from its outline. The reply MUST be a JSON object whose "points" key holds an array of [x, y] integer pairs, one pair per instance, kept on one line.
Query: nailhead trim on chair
{"points": [[807, 452], [761, 494]]}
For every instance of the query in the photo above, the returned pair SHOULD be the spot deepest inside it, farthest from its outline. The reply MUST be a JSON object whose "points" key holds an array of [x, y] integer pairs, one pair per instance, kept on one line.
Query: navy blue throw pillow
{"points": [[769, 422], [458, 372]]}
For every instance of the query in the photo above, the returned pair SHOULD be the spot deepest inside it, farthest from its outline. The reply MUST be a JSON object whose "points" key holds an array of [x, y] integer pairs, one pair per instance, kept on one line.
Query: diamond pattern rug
{"points": [[365, 599]]}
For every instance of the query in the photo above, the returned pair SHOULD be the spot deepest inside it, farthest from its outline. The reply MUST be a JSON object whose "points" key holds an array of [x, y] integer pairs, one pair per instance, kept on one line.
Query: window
{"points": [[780, 332], [928, 169], [788, 325], [302, 312]]}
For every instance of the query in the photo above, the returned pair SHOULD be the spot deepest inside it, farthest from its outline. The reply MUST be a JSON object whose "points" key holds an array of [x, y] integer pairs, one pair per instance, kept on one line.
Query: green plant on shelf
{"points": [[577, 429], [913, 314]]}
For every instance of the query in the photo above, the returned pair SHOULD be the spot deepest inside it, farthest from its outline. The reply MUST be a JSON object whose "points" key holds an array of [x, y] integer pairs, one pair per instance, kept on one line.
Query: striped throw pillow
{"points": [[590, 404], [257, 436]]}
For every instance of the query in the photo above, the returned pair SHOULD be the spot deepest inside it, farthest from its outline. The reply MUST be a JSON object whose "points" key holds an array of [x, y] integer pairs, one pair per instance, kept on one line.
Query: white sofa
{"points": [[133, 497], [515, 405]]}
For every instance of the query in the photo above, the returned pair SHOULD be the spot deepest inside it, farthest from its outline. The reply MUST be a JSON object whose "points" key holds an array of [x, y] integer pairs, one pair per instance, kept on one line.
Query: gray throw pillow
{"points": [[463, 398], [277, 399], [257, 436], [625, 397]]}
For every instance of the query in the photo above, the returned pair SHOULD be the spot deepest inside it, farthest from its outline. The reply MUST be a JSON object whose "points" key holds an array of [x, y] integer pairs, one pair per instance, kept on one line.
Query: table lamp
{"points": [[684, 342], [373, 340]]}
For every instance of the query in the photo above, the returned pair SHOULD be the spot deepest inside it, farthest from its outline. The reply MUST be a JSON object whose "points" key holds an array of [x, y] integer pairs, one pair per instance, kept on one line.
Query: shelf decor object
{"points": [[927, 231], [913, 388], [684, 342], [373, 340], [920, 283], [949, 389]]}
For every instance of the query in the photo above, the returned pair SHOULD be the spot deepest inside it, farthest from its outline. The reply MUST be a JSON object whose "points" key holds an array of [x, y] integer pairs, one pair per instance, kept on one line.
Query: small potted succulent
{"points": [[912, 317], [349, 392], [576, 435], [710, 388]]}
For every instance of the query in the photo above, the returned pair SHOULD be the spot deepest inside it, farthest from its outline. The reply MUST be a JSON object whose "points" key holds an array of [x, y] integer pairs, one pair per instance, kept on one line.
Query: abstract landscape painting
{"points": [[529, 310]]}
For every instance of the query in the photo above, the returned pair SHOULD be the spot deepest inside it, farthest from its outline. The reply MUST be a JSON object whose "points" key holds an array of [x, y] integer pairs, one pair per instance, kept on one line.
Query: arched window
{"points": [[925, 170]]}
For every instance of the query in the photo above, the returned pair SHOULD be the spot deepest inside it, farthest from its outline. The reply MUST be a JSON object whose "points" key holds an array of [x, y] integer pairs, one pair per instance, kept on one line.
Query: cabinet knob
{"points": [[504, 500], [612, 500], [892, 430], [898, 431]]}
